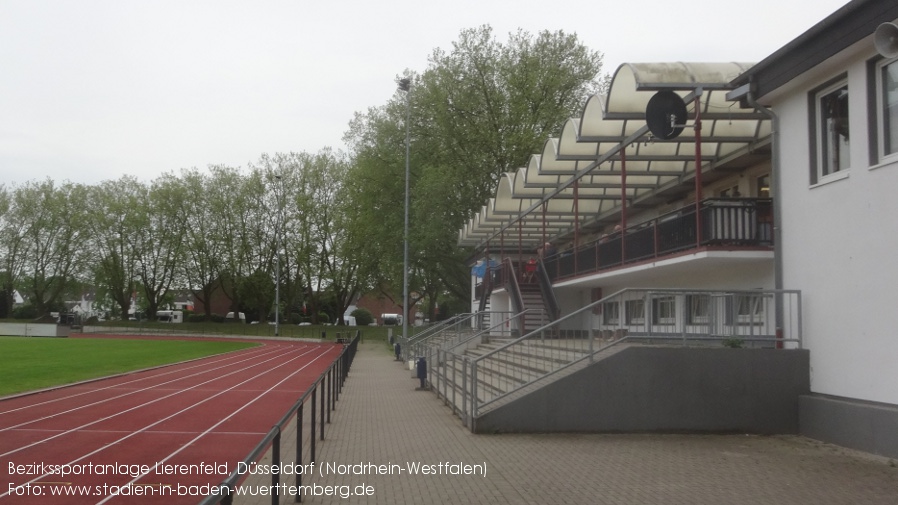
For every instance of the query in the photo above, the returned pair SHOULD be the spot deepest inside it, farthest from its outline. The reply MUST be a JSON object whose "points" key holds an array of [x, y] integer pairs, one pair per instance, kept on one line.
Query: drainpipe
{"points": [[777, 206]]}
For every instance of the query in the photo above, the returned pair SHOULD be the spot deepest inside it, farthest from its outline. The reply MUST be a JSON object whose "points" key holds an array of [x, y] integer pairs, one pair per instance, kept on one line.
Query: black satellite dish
{"points": [[665, 115]]}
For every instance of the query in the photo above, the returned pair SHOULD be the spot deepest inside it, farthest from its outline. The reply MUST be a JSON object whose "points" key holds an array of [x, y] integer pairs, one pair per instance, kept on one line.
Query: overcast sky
{"points": [[94, 89]]}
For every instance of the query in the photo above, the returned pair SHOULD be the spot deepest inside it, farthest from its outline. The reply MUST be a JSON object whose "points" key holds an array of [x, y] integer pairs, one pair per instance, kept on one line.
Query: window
{"points": [[832, 148], [763, 190], [635, 311], [611, 313], [664, 310], [747, 308], [699, 309], [887, 105]]}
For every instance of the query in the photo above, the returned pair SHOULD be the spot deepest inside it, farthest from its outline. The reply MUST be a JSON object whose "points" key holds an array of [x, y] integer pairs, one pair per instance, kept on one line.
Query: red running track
{"points": [[133, 433]]}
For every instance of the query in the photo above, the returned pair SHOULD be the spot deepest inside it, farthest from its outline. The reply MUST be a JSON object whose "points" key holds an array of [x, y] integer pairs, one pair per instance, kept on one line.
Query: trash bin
{"points": [[422, 370]]}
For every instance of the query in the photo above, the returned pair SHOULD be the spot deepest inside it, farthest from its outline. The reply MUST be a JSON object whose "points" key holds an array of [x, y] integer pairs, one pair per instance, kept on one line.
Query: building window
{"points": [[746, 309], [664, 310], [887, 105], [763, 190], [699, 309], [611, 313], [635, 311], [831, 117]]}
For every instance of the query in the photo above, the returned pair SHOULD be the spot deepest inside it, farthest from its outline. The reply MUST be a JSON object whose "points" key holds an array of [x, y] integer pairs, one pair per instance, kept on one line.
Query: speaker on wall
{"points": [[665, 115], [885, 38]]}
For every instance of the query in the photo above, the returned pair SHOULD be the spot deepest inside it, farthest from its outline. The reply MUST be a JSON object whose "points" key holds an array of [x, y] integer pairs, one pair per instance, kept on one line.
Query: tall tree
{"points": [[478, 111], [12, 257], [53, 234], [203, 246], [158, 247], [112, 222]]}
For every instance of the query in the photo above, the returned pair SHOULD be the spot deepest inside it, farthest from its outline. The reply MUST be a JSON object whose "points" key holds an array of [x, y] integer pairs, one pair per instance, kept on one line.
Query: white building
{"points": [[836, 153], [794, 192]]}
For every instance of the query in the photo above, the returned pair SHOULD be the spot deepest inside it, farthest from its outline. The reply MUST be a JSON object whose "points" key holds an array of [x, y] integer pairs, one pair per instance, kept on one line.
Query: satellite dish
{"points": [[665, 115], [885, 38]]}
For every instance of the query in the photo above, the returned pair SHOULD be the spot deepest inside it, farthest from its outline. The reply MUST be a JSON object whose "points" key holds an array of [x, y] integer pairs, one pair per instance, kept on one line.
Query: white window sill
{"points": [[838, 176], [892, 160]]}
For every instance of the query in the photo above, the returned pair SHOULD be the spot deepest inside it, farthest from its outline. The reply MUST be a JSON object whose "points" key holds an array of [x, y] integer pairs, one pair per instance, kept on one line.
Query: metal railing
{"points": [[460, 323], [321, 403], [725, 222], [444, 356], [473, 382]]}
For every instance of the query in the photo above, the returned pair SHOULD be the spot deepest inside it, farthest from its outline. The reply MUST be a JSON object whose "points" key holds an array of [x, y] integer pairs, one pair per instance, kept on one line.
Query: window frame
{"points": [[635, 311], [879, 106], [699, 309], [818, 136], [611, 313], [660, 316]]}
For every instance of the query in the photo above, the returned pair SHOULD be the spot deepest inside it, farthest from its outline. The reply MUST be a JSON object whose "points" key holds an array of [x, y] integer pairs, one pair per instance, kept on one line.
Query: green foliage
{"points": [[477, 112], [27, 311], [733, 343], [363, 317]]}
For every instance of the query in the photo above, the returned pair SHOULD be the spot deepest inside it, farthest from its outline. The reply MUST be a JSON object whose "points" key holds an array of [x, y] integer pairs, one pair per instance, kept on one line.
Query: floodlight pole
{"points": [[405, 85], [277, 262]]}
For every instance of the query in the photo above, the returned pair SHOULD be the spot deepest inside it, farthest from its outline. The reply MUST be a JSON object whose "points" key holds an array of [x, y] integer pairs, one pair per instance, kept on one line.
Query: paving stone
{"points": [[380, 419]]}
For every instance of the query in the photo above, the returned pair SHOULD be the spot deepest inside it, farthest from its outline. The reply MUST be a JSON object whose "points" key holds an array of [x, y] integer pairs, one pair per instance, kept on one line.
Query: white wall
{"points": [[840, 248]]}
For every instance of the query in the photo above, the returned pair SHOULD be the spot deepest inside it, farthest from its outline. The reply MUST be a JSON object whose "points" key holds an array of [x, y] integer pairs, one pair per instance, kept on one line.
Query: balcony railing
{"points": [[724, 223]]}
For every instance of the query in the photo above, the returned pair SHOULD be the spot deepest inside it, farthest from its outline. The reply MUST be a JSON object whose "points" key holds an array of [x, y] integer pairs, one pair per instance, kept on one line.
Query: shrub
{"points": [[196, 318], [295, 318], [24, 312], [216, 318], [363, 317]]}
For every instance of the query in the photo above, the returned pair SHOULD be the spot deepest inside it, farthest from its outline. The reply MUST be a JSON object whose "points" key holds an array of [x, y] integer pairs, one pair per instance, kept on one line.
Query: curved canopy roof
{"points": [[577, 177]]}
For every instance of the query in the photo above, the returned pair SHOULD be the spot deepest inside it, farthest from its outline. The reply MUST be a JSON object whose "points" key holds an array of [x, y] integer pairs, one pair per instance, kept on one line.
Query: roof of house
{"points": [[854, 21]]}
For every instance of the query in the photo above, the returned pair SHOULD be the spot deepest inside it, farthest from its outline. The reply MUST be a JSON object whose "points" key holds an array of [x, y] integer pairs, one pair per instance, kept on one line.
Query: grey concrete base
{"points": [[656, 389], [856, 424]]}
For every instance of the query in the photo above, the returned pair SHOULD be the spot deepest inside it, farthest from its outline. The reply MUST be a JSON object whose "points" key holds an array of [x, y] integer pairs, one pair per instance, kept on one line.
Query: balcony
{"points": [[725, 224]]}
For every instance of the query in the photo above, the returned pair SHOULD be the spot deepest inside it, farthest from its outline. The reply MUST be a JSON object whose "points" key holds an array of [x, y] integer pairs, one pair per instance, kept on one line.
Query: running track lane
{"points": [[212, 411]]}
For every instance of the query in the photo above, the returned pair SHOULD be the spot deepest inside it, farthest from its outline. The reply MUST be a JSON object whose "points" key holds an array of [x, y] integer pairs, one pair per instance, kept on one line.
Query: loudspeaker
{"points": [[665, 114], [886, 39]]}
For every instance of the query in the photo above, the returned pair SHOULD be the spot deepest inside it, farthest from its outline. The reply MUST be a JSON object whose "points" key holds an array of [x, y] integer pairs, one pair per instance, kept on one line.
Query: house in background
{"points": [[834, 100]]}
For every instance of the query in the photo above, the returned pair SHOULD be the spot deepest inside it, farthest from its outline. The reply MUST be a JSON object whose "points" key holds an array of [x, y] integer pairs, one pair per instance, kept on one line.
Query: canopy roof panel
{"points": [[579, 175]]}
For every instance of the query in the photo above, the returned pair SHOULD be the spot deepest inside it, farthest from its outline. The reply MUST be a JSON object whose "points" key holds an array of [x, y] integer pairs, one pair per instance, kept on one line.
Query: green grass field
{"points": [[27, 364]]}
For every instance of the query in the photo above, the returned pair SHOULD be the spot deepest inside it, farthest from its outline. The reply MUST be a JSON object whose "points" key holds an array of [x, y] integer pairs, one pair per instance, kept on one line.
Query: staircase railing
{"points": [[545, 287], [412, 348], [656, 316]]}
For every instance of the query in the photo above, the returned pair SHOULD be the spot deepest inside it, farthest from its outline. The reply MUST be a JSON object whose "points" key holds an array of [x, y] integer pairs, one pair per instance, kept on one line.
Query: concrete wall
{"points": [[645, 389], [839, 242], [865, 426]]}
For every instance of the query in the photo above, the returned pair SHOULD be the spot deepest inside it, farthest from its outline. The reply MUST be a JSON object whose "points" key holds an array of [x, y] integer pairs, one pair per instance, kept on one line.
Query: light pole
{"points": [[405, 84], [277, 261]]}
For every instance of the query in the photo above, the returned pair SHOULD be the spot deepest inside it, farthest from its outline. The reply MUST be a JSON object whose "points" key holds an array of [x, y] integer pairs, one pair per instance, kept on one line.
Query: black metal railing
{"points": [[731, 222], [321, 403]]}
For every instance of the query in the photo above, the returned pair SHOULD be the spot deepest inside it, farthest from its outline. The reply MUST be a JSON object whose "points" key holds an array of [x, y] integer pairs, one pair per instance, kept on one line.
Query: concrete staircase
{"points": [[505, 375]]}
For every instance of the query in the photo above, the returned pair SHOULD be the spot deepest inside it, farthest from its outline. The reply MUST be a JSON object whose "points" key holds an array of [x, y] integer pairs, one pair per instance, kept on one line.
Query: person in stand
{"points": [[530, 269]]}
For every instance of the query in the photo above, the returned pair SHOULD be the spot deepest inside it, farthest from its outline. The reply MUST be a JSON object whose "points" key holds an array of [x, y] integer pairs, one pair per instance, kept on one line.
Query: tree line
{"points": [[328, 224]]}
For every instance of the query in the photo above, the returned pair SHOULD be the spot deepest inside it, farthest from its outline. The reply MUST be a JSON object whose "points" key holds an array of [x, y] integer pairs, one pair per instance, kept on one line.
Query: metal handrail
{"points": [[331, 388], [656, 323], [421, 339]]}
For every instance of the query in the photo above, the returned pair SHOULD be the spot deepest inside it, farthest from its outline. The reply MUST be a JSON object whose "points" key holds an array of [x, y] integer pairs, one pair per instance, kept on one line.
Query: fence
{"points": [[474, 382], [321, 404]]}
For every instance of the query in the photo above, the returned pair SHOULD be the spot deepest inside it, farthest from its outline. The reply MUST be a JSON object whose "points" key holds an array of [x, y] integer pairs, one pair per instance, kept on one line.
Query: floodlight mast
{"points": [[405, 84]]}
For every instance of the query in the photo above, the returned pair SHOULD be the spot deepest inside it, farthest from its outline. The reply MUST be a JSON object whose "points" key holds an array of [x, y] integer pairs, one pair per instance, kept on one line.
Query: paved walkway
{"points": [[381, 420]]}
